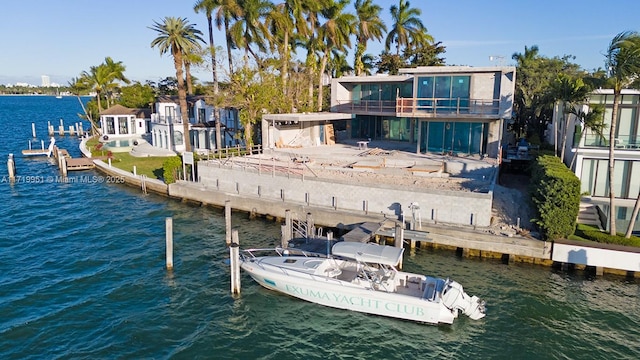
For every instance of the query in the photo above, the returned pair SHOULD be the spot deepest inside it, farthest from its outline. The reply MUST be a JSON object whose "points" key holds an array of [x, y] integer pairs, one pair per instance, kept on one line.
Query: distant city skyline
{"points": [[60, 40]]}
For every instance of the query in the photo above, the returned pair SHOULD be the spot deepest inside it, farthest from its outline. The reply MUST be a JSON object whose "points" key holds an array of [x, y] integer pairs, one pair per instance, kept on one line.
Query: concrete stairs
{"points": [[588, 214]]}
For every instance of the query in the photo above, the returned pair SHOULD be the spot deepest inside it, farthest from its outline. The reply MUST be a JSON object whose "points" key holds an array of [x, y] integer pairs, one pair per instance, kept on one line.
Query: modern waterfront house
{"points": [[591, 153], [167, 129], [453, 110]]}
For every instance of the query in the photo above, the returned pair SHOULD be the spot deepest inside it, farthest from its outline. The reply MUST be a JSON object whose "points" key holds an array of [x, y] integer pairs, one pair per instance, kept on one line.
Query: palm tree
{"points": [[407, 27], [116, 72], [570, 92], [78, 86], [228, 10], [623, 64], [334, 34], [177, 36], [249, 29], [97, 78], [208, 6], [369, 27]]}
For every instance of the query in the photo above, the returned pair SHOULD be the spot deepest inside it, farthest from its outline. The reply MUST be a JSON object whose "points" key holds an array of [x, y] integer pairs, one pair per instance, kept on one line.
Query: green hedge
{"points": [[588, 232], [171, 169], [555, 192]]}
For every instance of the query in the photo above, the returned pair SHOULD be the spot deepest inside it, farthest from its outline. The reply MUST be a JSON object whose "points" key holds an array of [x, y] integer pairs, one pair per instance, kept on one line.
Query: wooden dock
{"points": [[69, 163]]}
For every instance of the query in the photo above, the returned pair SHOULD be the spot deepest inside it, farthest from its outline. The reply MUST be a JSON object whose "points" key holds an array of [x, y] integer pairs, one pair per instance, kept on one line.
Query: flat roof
{"points": [[302, 117], [455, 69]]}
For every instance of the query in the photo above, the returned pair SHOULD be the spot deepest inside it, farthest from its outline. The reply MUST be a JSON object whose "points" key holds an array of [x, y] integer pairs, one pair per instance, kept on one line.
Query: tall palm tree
{"points": [[369, 27], [116, 72], [623, 64], [334, 33], [570, 92], [97, 78], [208, 6], [78, 86], [249, 29], [228, 11], [407, 26], [178, 36]]}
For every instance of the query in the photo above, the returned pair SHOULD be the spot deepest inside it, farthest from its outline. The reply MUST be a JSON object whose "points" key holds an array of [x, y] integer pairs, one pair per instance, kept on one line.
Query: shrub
{"points": [[171, 168], [555, 192], [592, 233]]}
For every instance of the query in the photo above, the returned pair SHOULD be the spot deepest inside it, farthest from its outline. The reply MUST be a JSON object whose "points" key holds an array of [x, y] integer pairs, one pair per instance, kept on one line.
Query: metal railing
{"points": [[631, 142], [422, 106], [164, 119]]}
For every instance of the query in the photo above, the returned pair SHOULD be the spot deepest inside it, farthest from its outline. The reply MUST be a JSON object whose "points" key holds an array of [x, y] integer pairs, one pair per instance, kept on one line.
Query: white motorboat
{"points": [[361, 277]]}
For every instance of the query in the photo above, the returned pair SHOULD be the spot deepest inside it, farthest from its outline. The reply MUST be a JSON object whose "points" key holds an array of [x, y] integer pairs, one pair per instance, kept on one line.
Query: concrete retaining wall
{"points": [[458, 207], [599, 255]]}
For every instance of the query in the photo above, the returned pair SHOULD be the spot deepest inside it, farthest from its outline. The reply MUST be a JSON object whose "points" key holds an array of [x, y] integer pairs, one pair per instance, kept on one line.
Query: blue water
{"points": [[82, 275]]}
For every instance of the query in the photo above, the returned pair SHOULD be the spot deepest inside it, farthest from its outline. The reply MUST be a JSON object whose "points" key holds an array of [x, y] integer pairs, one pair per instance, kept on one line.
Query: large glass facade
{"points": [[453, 137], [381, 91], [444, 93], [381, 128], [595, 178]]}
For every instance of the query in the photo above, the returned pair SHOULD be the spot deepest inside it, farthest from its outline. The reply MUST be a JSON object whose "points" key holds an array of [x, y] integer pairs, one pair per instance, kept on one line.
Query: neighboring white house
{"points": [[167, 130], [122, 122], [591, 152]]}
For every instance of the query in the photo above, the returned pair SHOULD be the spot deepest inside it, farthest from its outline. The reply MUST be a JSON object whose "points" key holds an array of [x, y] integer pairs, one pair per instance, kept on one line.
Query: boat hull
{"points": [[349, 296]]}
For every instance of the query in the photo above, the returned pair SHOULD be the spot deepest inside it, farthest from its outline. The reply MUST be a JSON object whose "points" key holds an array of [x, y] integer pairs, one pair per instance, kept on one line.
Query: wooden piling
{"points": [[169, 242], [311, 228], [227, 221], [33, 130], [50, 128], [287, 229], [234, 256], [399, 239], [134, 171], [11, 168], [63, 166]]}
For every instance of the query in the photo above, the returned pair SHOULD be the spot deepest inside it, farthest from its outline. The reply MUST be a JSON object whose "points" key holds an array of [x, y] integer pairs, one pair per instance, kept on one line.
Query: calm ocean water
{"points": [[82, 276]]}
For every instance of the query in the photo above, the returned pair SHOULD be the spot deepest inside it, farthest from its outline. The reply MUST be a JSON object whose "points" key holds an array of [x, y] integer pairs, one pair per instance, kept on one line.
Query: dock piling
{"points": [[169, 242], [33, 130], [398, 240], [227, 221], [11, 168], [234, 257]]}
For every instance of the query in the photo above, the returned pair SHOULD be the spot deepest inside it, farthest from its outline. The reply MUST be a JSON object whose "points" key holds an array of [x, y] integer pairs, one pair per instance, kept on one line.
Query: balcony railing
{"points": [[422, 106], [447, 106], [163, 119], [621, 142]]}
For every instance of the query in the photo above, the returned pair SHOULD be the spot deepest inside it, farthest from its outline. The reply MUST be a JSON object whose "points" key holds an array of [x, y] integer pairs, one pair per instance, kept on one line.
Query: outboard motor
{"points": [[454, 298]]}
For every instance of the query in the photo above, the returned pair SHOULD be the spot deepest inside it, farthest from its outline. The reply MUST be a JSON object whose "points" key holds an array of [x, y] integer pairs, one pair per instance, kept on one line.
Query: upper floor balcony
{"points": [[622, 142], [165, 119], [424, 107]]}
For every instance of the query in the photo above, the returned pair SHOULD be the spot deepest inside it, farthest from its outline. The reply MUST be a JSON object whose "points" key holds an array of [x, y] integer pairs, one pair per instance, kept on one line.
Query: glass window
{"points": [[620, 182], [425, 91], [435, 141], [475, 147], [406, 89], [110, 125], [356, 93], [178, 139], [588, 176], [626, 124], [133, 125], [122, 125], [597, 99], [461, 137], [443, 87], [629, 99], [601, 187], [634, 184]]}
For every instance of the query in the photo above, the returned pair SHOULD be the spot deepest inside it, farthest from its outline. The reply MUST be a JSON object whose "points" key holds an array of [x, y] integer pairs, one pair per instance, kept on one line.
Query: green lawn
{"points": [[149, 166]]}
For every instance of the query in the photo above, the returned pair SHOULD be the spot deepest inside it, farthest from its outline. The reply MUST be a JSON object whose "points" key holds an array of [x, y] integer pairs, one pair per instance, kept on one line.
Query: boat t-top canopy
{"points": [[371, 253]]}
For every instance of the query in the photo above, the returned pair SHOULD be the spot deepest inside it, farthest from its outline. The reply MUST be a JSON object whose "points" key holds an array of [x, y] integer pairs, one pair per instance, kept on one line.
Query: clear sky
{"points": [[62, 38]]}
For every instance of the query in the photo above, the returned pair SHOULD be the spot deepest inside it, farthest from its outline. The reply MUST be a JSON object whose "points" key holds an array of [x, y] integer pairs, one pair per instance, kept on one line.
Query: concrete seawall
{"points": [[456, 207]]}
